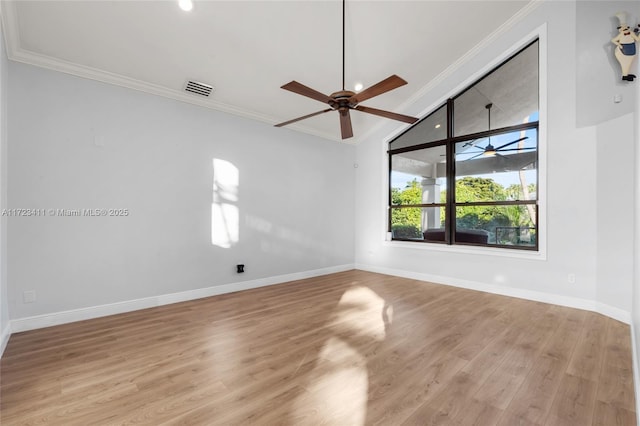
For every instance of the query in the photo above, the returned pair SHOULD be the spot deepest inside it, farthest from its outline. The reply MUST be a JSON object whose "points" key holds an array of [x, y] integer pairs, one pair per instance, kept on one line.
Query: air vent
{"points": [[198, 88]]}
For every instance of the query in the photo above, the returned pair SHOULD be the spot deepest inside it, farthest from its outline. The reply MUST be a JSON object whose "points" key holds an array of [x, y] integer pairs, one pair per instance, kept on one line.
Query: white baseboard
{"points": [[57, 318], [63, 317], [4, 338], [613, 312], [554, 299], [635, 368]]}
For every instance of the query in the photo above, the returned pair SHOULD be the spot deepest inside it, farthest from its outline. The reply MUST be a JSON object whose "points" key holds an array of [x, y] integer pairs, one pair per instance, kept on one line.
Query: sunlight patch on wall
{"points": [[225, 224], [285, 242], [259, 224]]}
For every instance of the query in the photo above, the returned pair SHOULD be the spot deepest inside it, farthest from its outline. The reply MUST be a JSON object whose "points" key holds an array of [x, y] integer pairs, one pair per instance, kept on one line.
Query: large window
{"points": [[468, 172]]}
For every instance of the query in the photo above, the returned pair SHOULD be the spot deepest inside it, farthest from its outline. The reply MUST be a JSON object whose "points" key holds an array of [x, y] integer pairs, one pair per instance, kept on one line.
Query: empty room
{"points": [[336, 212]]}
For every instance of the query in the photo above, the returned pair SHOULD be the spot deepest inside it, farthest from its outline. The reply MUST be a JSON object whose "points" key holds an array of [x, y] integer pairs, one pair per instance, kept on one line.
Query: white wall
{"points": [[615, 211], [4, 305], [598, 81], [576, 177], [76, 143], [598, 76]]}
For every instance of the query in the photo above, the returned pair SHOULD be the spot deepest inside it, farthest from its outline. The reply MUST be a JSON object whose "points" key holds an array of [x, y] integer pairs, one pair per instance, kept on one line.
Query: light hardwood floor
{"points": [[352, 348]]}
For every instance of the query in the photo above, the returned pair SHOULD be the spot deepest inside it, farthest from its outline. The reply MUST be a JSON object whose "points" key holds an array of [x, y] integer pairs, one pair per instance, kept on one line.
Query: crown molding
{"points": [[43, 61], [15, 52]]}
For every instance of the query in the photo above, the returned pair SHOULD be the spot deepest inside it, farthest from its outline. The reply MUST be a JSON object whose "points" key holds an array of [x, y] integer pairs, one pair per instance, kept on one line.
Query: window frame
{"points": [[450, 226]]}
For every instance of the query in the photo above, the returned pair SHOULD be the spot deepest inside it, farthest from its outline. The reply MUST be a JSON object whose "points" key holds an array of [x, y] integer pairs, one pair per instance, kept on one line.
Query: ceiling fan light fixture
{"points": [[185, 5], [489, 151]]}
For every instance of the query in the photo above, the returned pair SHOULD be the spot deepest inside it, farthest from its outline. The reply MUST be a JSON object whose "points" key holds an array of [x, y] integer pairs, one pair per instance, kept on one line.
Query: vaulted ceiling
{"points": [[248, 49]]}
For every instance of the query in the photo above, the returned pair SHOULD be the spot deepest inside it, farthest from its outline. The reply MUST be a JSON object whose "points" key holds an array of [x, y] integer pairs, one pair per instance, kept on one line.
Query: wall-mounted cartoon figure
{"points": [[625, 50]]}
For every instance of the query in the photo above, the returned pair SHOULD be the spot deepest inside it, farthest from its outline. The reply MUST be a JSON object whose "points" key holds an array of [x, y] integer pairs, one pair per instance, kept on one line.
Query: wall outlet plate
{"points": [[29, 296]]}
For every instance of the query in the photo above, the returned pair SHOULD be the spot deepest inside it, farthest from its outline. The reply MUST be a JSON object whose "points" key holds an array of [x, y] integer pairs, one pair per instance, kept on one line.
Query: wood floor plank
{"points": [[588, 358], [533, 399], [615, 385], [351, 348], [610, 415], [500, 387], [423, 385], [574, 403], [450, 403], [478, 413]]}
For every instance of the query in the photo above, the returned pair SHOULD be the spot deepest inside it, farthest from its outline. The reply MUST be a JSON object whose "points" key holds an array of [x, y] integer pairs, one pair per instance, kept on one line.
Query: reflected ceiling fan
{"points": [[345, 100], [490, 150]]}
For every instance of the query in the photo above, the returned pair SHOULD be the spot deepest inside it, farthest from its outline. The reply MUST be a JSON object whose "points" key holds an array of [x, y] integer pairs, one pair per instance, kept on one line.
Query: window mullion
{"points": [[450, 219]]}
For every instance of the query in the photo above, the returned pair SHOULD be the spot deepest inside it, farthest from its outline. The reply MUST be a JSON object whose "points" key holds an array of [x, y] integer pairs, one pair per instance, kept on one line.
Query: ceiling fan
{"points": [[345, 100], [490, 150]]}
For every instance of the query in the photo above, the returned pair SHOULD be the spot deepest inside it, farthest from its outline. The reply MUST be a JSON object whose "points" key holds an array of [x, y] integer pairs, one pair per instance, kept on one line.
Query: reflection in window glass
{"points": [[418, 178], [500, 168], [483, 174], [430, 129], [512, 90]]}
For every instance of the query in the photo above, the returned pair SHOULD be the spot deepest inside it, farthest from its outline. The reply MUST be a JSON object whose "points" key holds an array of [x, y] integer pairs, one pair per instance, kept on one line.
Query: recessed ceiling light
{"points": [[437, 126], [185, 5], [358, 87]]}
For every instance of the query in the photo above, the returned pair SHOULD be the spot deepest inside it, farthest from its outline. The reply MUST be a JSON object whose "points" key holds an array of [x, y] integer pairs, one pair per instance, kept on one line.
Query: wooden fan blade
{"points": [[384, 86], [303, 117], [303, 90], [387, 114], [345, 124]]}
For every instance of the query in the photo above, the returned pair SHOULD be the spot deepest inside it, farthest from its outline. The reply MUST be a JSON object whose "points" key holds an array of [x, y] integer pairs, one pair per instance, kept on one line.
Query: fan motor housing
{"points": [[342, 99]]}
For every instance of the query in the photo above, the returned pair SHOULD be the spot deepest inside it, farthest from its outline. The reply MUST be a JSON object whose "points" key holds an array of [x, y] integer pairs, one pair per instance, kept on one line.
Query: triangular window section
{"points": [[468, 172]]}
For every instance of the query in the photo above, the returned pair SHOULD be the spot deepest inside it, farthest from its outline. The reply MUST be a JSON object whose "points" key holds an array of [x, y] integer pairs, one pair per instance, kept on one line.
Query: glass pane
{"points": [[503, 167], [418, 177], [416, 223], [512, 90], [504, 225], [430, 129]]}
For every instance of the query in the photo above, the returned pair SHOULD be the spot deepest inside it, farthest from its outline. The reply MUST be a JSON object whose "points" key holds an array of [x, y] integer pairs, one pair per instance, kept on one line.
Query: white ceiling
{"points": [[248, 49]]}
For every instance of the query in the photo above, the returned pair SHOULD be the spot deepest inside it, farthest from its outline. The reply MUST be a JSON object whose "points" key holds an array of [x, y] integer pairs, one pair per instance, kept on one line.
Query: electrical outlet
{"points": [[571, 278], [29, 296]]}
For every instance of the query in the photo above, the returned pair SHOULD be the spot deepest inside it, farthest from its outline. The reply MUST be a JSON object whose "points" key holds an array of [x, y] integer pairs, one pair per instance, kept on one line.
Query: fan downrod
{"points": [[345, 100]]}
